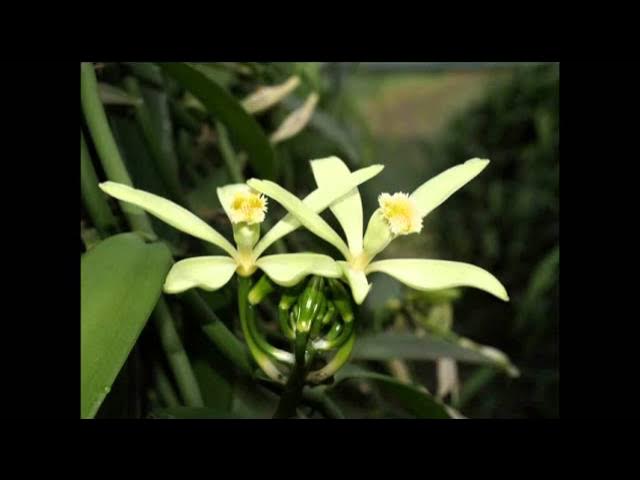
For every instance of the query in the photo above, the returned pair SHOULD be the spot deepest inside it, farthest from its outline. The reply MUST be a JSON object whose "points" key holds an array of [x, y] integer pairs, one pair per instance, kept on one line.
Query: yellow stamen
{"points": [[400, 212], [249, 207]]}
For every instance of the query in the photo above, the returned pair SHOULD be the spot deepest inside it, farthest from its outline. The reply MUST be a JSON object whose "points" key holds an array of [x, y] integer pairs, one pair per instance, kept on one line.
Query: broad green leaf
{"points": [[121, 281], [435, 191], [317, 201], [296, 120], [424, 274], [242, 127], [208, 273], [311, 220], [193, 413], [413, 399], [408, 346], [288, 269], [169, 212], [265, 97], [348, 210], [357, 281]]}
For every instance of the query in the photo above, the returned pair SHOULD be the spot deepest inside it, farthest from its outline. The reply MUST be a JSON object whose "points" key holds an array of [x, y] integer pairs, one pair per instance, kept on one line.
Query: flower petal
{"points": [[288, 269], [311, 220], [208, 273], [424, 274], [169, 212], [435, 191], [317, 201], [357, 281], [348, 210]]}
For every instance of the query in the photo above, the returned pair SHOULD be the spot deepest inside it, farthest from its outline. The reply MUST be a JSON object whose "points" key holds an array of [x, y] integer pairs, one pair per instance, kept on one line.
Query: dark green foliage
{"points": [[507, 221]]}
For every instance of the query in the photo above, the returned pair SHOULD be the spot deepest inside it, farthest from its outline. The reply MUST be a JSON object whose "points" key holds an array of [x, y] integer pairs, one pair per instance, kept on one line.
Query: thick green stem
{"points": [[165, 166], [94, 200], [164, 388], [227, 343], [292, 393], [106, 147], [246, 310], [229, 156], [187, 383]]}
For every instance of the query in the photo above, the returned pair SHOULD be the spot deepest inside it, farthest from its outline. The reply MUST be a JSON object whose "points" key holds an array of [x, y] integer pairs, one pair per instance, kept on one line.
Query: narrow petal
{"points": [[435, 191], [424, 274], [317, 201], [348, 210], [169, 212], [311, 220], [288, 269], [357, 281], [208, 273]]}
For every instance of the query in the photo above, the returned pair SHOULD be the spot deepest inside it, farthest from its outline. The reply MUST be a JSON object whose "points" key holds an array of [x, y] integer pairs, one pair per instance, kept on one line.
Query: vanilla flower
{"points": [[398, 214]]}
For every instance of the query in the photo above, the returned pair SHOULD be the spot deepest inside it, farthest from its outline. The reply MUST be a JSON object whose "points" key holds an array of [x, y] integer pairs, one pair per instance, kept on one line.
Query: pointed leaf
{"points": [[413, 399], [242, 127], [121, 281], [389, 345], [424, 274]]}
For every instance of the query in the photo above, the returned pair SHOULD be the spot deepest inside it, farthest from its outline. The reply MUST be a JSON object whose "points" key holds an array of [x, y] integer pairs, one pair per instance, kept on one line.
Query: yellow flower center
{"points": [[248, 207], [401, 213]]}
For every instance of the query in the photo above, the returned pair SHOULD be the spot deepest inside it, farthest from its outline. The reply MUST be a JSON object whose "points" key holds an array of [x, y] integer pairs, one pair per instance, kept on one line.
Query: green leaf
{"points": [[414, 400], [242, 127], [121, 280], [424, 274], [388, 345]]}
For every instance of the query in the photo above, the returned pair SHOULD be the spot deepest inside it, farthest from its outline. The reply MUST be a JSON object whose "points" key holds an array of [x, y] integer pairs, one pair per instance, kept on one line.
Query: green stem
{"points": [[106, 147], [167, 170], [94, 200], [292, 393], [226, 342], [186, 379], [245, 310], [229, 156], [164, 388]]}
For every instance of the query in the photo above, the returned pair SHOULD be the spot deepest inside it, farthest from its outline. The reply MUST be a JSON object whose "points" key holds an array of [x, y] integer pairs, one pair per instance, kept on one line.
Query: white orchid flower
{"points": [[246, 209], [398, 214]]}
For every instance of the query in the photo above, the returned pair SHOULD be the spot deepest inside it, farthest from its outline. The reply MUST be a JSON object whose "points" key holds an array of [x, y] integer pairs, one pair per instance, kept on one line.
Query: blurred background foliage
{"points": [[417, 121]]}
